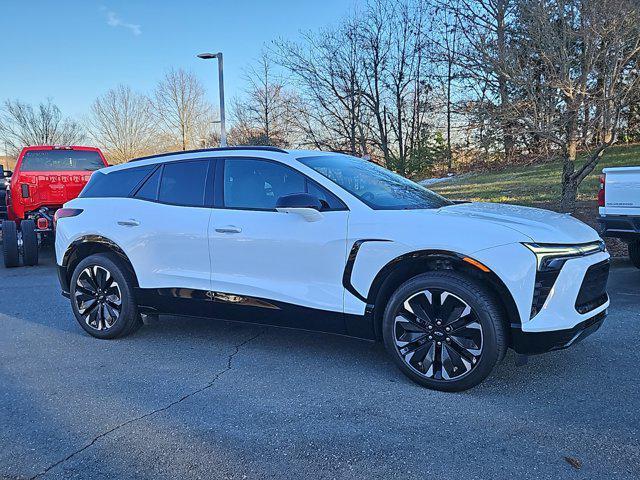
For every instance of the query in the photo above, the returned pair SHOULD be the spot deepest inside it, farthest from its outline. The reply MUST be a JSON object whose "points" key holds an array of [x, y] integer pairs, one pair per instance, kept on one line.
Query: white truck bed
{"points": [[619, 210]]}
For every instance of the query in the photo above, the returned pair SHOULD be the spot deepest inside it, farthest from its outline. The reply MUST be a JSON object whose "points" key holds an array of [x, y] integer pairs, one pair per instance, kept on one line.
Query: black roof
{"points": [[217, 149]]}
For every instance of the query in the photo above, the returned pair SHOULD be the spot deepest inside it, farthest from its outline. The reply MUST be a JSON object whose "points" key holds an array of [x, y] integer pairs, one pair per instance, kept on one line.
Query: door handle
{"points": [[129, 223], [229, 229]]}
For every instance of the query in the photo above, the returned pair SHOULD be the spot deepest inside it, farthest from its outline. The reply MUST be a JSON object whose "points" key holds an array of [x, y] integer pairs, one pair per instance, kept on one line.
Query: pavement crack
{"points": [[229, 366]]}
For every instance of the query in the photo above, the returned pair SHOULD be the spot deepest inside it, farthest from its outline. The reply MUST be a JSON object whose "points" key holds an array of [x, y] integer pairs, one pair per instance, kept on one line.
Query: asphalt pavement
{"points": [[191, 398]]}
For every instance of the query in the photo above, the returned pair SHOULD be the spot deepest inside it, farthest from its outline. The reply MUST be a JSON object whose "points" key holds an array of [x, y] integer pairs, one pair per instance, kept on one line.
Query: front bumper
{"points": [[619, 226], [533, 343]]}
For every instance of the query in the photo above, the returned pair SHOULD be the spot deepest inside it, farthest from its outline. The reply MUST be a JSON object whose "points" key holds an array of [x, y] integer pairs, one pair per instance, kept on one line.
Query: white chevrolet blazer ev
{"points": [[328, 242]]}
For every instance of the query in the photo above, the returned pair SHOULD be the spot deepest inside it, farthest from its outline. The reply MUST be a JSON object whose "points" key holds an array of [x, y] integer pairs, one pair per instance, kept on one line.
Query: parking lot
{"points": [[190, 398]]}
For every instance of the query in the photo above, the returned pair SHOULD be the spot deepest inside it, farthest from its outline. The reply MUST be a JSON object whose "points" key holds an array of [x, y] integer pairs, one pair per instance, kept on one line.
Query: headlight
{"points": [[553, 256]]}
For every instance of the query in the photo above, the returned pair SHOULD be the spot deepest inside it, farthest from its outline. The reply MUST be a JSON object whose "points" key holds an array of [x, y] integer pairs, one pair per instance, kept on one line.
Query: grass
{"points": [[532, 185]]}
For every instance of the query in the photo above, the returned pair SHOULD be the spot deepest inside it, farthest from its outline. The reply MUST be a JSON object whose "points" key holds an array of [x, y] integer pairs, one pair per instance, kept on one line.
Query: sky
{"points": [[73, 51]]}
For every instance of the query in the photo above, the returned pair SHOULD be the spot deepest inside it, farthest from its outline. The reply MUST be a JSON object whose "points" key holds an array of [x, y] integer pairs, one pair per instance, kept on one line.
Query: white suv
{"points": [[329, 242]]}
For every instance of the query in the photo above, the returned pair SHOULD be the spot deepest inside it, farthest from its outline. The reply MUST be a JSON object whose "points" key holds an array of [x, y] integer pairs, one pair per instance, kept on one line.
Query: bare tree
{"points": [[328, 70], [366, 83], [121, 122], [485, 35], [265, 114], [586, 54], [21, 124], [446, 39], [181, 109]]}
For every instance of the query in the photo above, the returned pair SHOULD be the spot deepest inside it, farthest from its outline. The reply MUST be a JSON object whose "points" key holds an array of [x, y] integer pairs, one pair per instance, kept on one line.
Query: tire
{"points": [[634, 253], [10, 244], [97, 284], [455, 309], [29, 243]]}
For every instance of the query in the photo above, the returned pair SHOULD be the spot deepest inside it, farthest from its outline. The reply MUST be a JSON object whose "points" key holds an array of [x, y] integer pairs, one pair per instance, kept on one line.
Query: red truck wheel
{"points": [[10, 244], [29, 242]]}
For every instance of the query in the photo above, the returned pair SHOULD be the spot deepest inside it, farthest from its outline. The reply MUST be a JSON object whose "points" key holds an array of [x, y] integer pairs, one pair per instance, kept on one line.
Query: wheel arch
{"points": [[408, 265], [87, 245]]}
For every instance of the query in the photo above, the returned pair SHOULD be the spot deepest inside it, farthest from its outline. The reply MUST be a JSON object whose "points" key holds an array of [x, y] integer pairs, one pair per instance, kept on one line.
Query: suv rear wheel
{"points": [[444, 331], [102, 297]]}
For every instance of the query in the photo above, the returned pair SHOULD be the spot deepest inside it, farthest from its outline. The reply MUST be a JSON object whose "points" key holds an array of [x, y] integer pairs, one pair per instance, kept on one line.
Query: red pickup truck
{"points": [[44, 179]]}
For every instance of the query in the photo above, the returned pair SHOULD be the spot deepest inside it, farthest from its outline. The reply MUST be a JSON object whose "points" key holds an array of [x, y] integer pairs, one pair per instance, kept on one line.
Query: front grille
{"points": [[544, 283], [593, 291]]}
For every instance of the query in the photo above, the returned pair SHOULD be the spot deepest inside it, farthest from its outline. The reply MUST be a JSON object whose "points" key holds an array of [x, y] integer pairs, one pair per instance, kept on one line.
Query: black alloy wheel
{"points": [[102, 296], [438, 335], [98, 297], [444, 330]]}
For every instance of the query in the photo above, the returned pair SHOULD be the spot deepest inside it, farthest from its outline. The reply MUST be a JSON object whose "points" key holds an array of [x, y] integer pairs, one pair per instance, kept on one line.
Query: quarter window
{"points": [[184, 183], [149, 189], [115, 184]]}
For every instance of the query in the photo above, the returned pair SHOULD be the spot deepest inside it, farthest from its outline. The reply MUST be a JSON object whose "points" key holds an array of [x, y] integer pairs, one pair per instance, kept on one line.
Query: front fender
{"points": [[513, 264]]}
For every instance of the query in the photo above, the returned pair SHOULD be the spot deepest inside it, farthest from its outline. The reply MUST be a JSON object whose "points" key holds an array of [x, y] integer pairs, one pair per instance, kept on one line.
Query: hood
{"points": [[542, 226]]}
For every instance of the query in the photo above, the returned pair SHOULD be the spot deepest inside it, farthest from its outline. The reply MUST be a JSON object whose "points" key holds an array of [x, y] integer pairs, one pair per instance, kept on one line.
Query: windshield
{"points": [[378, 187], [61, 160]]}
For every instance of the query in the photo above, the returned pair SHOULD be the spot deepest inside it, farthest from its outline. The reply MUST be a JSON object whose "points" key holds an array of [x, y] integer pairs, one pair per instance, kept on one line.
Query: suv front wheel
{"points": [[444, 331], [102, 297]]}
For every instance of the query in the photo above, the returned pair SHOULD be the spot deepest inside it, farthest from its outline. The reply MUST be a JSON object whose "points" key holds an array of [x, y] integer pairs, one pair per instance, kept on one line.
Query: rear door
{"points": [[162, 226], [170, 213], [274, 267]]}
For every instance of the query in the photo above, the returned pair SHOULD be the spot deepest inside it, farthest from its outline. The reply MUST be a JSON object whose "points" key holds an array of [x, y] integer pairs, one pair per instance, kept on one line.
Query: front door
{"points": [[272, 267]]}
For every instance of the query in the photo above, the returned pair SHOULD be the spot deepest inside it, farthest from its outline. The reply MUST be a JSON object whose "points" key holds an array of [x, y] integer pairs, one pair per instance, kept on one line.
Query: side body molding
{"points": [[348, 268]]}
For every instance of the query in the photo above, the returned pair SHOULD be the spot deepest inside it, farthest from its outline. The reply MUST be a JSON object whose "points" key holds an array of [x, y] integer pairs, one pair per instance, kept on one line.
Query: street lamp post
{"points": [[223, 131]]}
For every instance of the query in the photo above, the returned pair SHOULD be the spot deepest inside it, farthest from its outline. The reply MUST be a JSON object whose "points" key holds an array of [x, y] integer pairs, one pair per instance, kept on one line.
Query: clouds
{"points": [[113, 20]]}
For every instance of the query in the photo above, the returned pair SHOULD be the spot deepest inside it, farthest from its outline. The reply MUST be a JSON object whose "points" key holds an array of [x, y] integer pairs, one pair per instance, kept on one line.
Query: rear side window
{"points": [[115, 184], [184, 183], [61, 160]]}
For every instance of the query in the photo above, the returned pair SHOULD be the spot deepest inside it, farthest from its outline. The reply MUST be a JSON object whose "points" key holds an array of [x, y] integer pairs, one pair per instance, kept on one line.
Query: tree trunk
{"points": [[449, 81], [569, 180], [507, 130]]}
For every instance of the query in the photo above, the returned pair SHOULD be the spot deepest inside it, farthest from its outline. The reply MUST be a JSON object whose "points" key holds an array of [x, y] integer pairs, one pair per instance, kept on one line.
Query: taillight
{"points": [[601, 191], [42, 223], [64, 213]]}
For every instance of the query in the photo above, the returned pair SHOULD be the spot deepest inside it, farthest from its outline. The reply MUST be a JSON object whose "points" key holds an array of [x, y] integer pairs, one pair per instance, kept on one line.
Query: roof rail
{"points": [[216, 149]]}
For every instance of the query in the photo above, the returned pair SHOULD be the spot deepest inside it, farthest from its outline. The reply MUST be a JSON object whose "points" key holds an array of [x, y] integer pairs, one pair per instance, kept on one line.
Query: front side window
{"points": [[61, 160], [378, 187], [257, 184], [184, 183]]}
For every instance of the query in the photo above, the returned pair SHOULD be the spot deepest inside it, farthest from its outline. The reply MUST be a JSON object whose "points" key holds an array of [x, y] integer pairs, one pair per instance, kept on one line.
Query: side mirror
{"points": [[304, 204]]}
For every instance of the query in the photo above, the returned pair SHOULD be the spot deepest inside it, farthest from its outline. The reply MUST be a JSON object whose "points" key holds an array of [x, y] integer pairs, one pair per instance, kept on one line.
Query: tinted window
{"points": [[328, 199], [376, 186], [149, 189], [183, 183], [115, 184], [257, 184], [61, 160]]}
